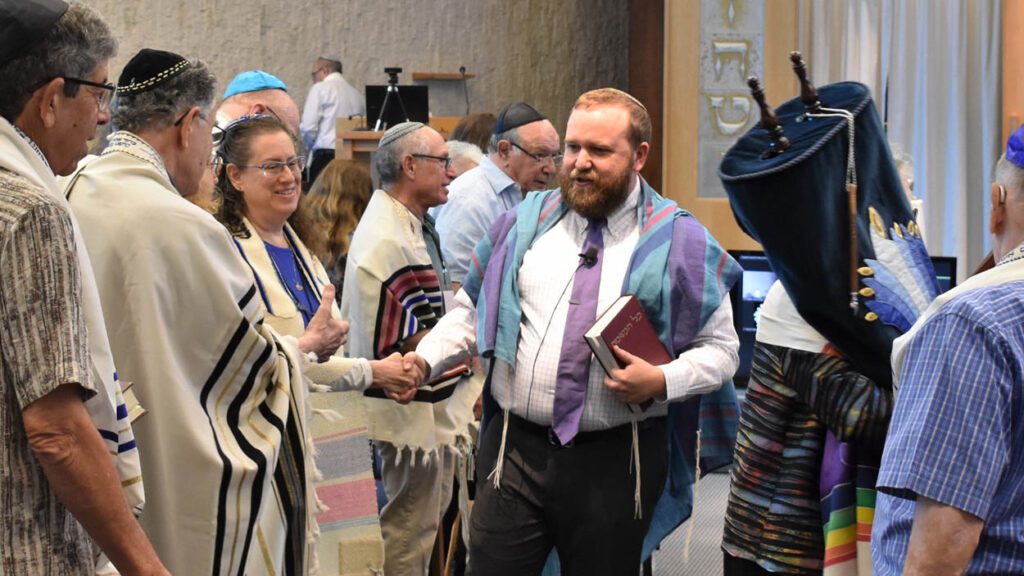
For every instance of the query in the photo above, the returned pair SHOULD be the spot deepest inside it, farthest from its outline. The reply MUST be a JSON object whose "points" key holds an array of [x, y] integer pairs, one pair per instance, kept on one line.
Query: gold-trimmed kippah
{"points": [[148, 69]]}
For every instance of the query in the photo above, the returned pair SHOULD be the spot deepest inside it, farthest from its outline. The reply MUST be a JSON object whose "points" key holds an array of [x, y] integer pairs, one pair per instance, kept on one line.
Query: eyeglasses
{"points": [[220, 132], [446, 160], [184, 114], [102, 97], [315, 72], [555, 157], [274, 168]]}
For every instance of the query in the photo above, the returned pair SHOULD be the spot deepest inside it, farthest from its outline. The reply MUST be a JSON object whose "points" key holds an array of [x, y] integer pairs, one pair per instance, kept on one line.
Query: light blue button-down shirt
{"points": [[957, 435], [475, 200]]}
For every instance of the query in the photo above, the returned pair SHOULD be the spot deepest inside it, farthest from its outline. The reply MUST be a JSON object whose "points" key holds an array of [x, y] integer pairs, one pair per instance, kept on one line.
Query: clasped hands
{"points": [[400, 376]]}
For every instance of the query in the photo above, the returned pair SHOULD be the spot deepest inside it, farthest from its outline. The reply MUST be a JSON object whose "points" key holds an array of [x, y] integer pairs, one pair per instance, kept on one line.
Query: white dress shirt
{"points": [[328, 100], [528, 388]]}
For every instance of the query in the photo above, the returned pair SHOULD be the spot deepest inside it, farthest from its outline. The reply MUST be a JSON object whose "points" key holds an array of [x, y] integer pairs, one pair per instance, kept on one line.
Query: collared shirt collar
{"points": [[620, 222], [500, 181], [35, 147]]}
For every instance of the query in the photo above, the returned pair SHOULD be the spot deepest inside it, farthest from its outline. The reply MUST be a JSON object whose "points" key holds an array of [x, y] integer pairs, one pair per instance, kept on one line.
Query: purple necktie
{"points": [[574, 363]]}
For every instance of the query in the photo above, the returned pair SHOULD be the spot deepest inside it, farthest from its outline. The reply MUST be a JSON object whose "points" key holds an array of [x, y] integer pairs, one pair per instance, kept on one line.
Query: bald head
{"points": [[275, 102]]}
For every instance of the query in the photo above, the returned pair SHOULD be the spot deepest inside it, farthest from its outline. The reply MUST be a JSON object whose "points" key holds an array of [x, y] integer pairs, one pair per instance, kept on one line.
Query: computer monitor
{"points": [[750, 290], [747, 296], [415, 99], [945, 271]]}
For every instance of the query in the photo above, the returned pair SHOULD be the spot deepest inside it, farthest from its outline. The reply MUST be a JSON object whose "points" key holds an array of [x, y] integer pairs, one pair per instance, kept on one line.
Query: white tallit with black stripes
{"points": [[224, 443]]}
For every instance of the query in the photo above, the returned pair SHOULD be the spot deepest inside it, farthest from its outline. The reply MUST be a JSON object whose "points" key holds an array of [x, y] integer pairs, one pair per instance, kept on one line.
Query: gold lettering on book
{"points": [[633, 320]]}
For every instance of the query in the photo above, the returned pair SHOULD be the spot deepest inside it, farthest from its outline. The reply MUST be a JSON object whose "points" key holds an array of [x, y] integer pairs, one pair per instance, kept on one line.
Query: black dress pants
{"points": [[577, 499]]}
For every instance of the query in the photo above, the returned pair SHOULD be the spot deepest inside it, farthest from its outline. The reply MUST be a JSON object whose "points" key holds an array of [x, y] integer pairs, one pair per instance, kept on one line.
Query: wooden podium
{"points": [[355, 144]]}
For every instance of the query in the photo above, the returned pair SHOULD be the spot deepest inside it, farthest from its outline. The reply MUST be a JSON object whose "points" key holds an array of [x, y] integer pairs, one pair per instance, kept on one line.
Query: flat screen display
{"points": [[414, 98], [749, 292]]}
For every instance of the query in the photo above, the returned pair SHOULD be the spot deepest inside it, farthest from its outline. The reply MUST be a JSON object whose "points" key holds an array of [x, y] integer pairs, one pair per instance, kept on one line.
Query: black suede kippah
{"points": [[23, 23], [515, 115], [148, 69]]}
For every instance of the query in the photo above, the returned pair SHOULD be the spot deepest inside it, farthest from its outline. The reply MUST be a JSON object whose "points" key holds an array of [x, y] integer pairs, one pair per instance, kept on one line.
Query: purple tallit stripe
{"points": [[686, 265]]}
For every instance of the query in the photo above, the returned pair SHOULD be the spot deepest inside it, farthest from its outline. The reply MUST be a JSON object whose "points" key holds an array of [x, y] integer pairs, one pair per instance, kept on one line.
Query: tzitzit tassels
{"points": [[495, 475], [635, 462]]}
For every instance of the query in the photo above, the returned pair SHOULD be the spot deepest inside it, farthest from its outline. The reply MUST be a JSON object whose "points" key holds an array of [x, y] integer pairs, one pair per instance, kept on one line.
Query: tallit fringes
{"points": [[328, 414], [635, 461], [495, 475], [693, 508]]}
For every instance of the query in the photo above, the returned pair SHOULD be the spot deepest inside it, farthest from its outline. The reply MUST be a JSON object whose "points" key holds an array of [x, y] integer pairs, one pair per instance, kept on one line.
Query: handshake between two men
{"points": [[399, 375]]}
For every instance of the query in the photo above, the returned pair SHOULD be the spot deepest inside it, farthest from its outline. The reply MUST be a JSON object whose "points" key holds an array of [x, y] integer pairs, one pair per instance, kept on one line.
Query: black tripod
{"points": [[390, 96]]}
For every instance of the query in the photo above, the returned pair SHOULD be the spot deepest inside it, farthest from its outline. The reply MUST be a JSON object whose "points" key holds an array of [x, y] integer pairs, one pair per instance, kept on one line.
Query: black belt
{"points": [[621, 432]]}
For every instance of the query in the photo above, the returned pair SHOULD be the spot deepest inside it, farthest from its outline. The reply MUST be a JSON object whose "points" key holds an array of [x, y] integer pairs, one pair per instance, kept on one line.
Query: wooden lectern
{"points": [[355, 144]]}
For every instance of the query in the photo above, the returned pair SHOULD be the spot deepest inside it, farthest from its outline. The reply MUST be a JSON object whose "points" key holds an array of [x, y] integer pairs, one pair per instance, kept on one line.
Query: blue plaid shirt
{"points": [[957, 432]]}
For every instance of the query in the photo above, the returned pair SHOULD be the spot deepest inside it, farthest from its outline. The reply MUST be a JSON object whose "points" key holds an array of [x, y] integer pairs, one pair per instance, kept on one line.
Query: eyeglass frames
{"points": [[555, 157], [446, 160], [103, 97], [184, 114], [274, 168]]}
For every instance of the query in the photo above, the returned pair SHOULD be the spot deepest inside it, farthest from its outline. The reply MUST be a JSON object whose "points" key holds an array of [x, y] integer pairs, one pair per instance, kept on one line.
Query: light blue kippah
{"points": [[1015, 148], [398, 131], [253, 81]]}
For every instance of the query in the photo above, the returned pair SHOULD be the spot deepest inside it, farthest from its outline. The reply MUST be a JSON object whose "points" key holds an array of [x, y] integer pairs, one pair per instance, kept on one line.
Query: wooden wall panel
{"points": [[682, 61], [647, 74]]}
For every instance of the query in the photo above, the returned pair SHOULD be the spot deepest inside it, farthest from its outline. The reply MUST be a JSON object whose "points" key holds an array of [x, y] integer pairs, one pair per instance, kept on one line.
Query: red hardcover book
{"points": [[626, 325]]}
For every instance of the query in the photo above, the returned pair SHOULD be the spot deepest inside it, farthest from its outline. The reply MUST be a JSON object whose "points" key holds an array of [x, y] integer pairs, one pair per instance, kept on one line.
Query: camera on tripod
{"points": [[392, 73], [391, 97]]}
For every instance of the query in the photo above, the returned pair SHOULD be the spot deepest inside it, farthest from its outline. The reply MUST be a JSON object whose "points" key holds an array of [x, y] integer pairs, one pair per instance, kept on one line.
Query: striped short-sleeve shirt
{"points": [[957, 432], [42, 346]]}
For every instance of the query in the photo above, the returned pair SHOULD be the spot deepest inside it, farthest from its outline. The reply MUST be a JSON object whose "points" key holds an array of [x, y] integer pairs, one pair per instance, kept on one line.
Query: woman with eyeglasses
{"points": [[260, 203]]}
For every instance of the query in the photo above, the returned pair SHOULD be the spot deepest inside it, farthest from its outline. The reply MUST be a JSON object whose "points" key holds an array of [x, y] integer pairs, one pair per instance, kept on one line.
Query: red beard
{"points": [[600, 198]]}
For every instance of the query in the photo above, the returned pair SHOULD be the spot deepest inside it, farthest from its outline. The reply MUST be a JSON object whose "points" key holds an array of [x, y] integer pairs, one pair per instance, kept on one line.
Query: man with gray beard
{"points": [[564, 455]]}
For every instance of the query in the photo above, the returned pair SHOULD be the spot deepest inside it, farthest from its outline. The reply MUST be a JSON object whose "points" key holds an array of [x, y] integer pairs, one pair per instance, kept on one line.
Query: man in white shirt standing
{"points": [[560, 463], [330, 98]]}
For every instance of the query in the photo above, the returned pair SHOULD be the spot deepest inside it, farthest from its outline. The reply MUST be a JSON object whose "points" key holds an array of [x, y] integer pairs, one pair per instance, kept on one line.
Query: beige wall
{"points": [[546, 52]]}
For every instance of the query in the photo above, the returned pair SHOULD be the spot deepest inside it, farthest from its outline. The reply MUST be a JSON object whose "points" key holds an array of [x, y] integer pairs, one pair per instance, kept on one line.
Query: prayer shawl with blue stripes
{"points": [[679, 303], [107, 408], [225, 444]]}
